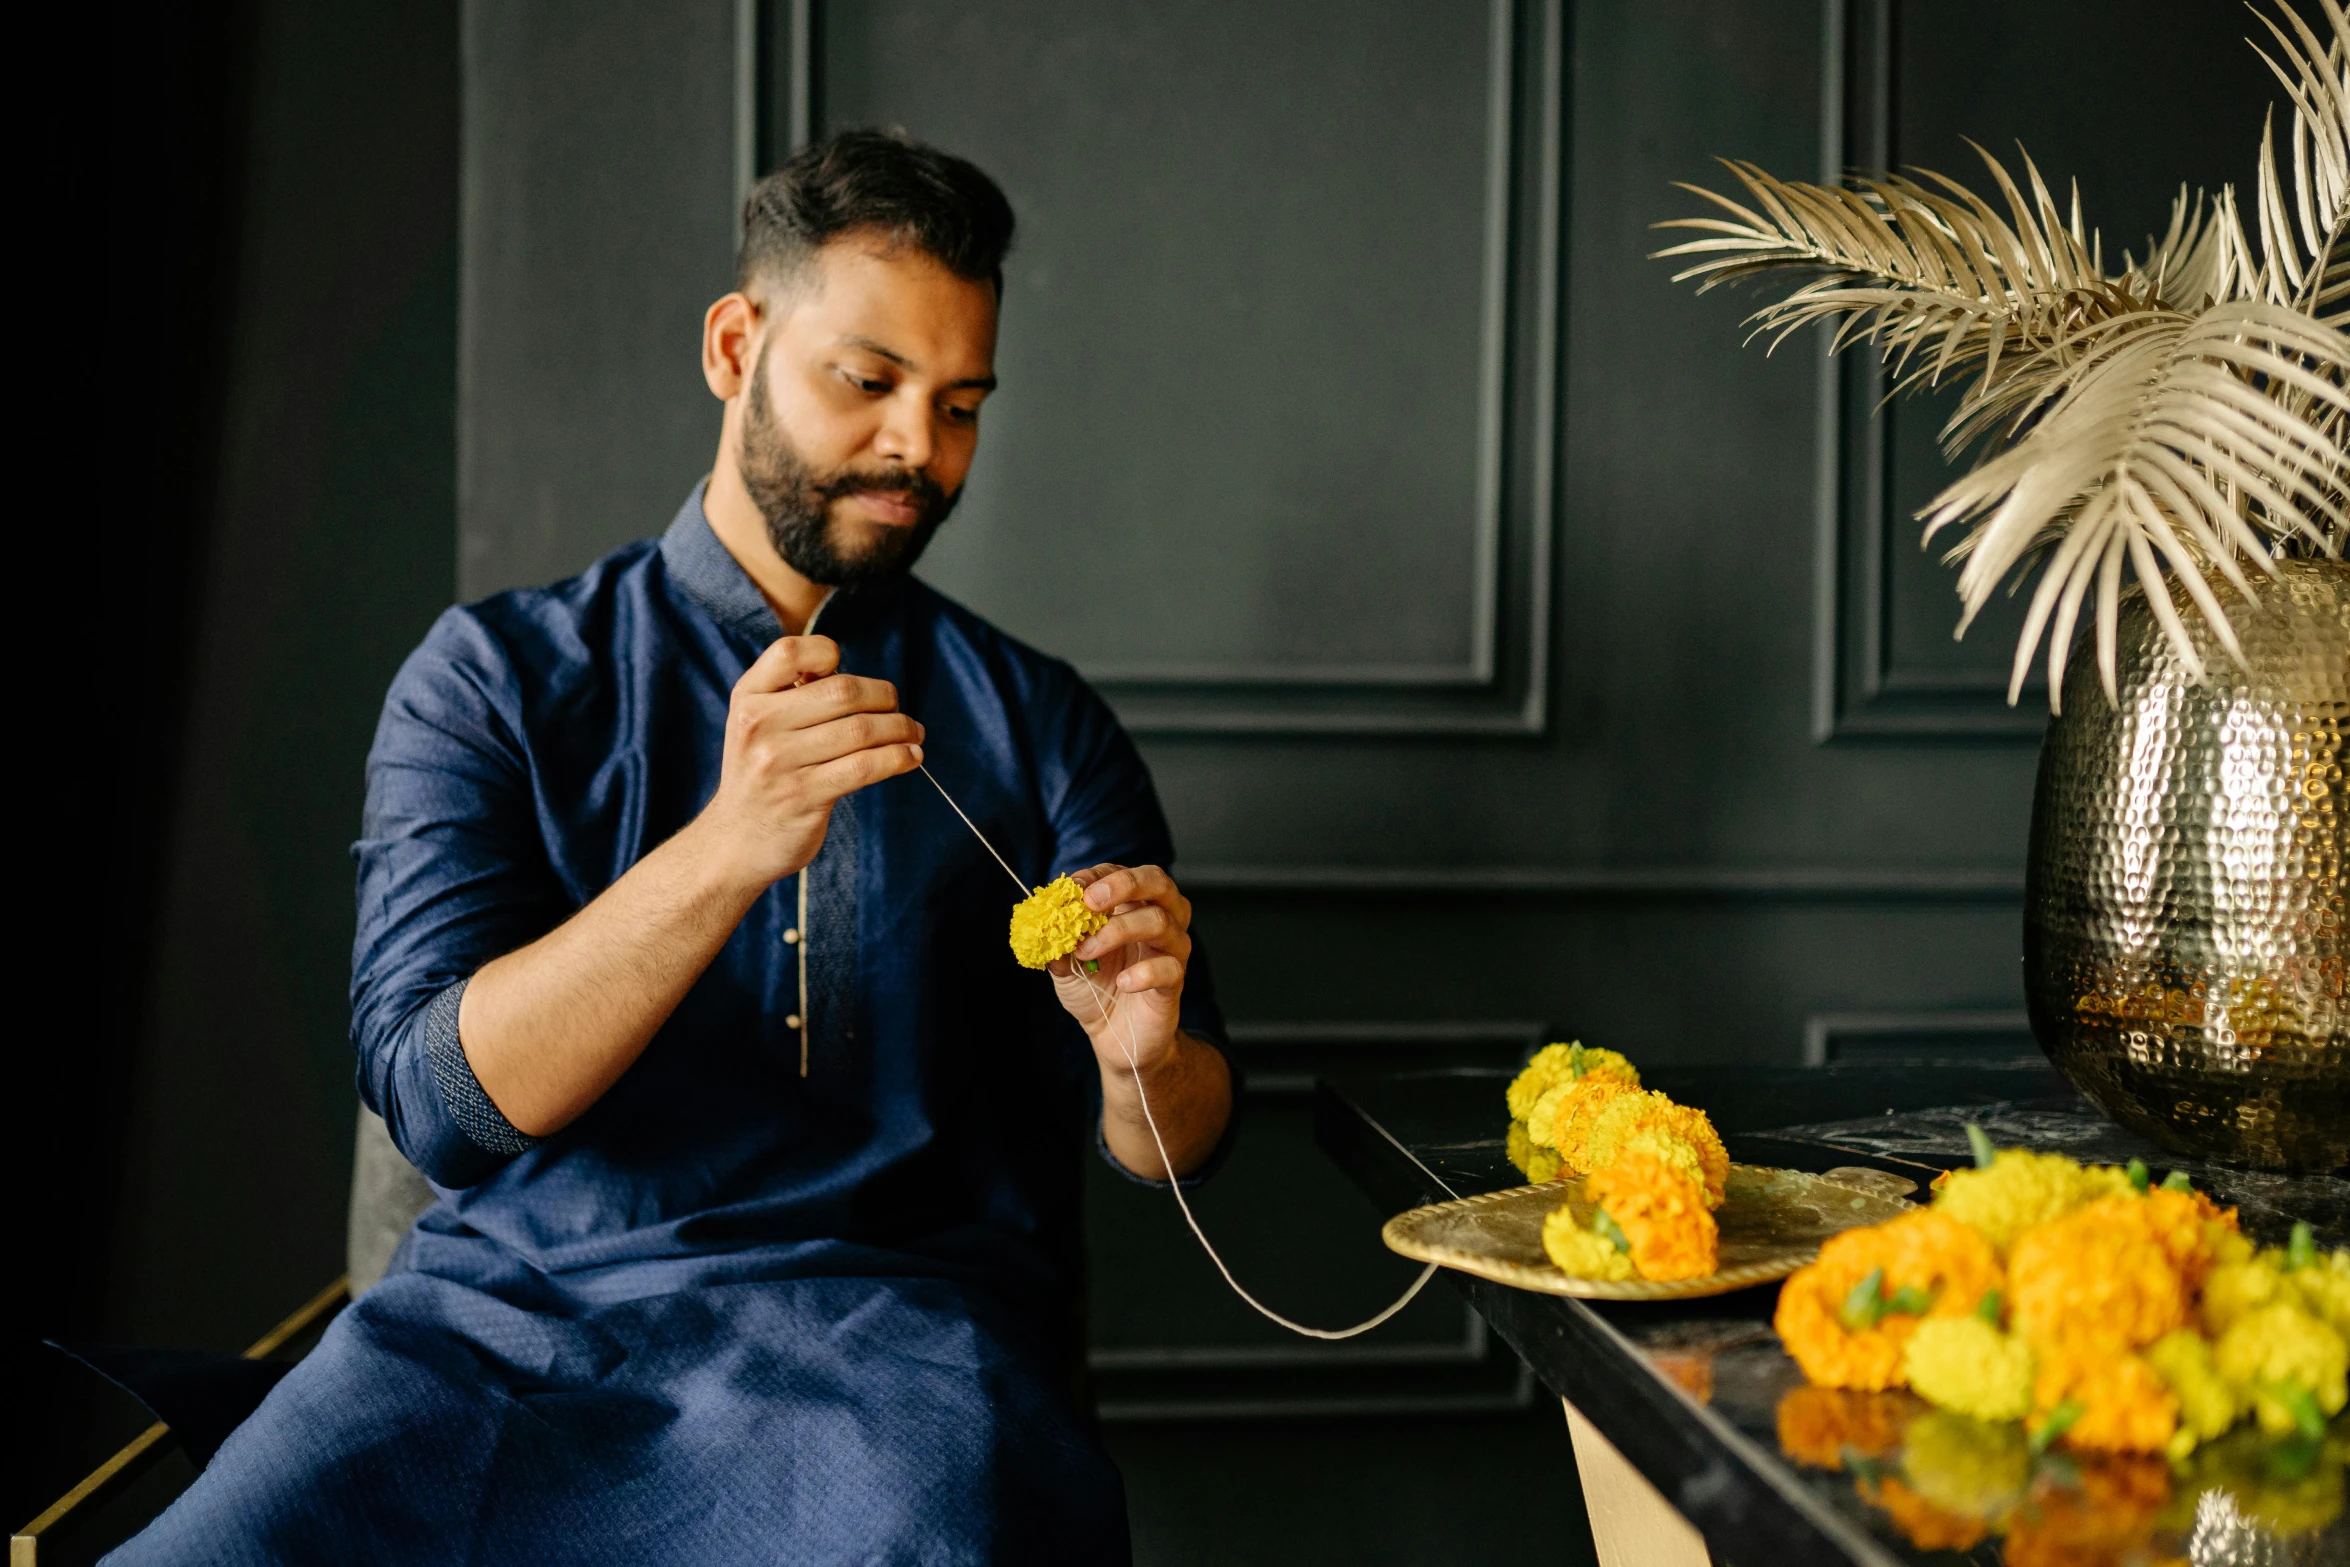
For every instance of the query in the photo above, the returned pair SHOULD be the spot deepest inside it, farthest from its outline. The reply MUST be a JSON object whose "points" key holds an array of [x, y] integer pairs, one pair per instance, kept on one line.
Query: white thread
{"points": [[1176, 1186], [1173, 1184], [1025, 889]]}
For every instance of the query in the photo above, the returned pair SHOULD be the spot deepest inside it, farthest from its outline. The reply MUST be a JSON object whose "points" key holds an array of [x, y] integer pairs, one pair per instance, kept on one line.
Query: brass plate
{"points": [[1772, 1223]]}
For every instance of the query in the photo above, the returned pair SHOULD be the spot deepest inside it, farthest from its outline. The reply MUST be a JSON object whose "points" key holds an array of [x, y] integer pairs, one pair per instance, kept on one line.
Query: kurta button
{"points": [[791, 938], [793, 1021]]}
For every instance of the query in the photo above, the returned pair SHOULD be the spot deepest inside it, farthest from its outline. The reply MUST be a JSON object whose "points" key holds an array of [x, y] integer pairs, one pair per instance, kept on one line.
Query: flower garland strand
{"points": [[1174, 1184]]}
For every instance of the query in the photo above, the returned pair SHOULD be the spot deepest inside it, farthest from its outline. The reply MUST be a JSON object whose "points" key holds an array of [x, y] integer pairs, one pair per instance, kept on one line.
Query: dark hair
{"points": [[883, 181]]}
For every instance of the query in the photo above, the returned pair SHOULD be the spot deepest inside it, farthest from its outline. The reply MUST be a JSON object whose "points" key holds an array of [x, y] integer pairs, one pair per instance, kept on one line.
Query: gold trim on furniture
{"points": [[143, 1451]]}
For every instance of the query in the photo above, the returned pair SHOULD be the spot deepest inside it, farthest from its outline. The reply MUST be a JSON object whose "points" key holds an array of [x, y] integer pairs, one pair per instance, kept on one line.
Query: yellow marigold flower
{"points": [[1555, 1065], [2243, 1464], [2021, 1189], [1662, 1211], [1579, 1253], [1968, 1365], [1675, 1151], [1048, 924], [1974, 1468], [1561, 1116], [2102, 1398], [1846, 1331], [2325, 1289], [2208, 1402], [1819, 1425], [1608, 1063], [1628, 1116], [2291, 1363], [1536, 1163], [2098, 1278], [2234, 1290]]}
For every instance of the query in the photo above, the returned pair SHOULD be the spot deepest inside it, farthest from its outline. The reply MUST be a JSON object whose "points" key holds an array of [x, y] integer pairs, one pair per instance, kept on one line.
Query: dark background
{"points": [[1519, 658]]}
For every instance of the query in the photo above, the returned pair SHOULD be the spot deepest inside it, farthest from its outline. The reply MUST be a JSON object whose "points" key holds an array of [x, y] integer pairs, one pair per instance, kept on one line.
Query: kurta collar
{"points": [[706, 572]]}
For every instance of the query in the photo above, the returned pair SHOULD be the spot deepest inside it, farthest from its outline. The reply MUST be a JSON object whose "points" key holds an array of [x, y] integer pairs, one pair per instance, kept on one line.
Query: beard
{"points": [[796, 499]]}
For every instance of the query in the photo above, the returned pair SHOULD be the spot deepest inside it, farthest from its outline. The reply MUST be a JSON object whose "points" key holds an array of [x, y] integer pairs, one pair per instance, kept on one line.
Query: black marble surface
{"points": [[1931, 1140], [1689, 1391]]}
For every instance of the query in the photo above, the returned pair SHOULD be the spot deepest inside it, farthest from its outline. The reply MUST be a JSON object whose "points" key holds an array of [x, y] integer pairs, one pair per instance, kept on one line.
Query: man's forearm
{"points": [[1190, 1091], [548, 1028]]}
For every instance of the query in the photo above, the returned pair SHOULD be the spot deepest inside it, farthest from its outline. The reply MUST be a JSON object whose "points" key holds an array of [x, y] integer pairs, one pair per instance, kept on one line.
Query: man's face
{"points": [[862, 412]]}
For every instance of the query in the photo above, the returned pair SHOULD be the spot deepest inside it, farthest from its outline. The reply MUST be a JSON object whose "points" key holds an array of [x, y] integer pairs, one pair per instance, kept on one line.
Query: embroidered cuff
{"points": [[481, 1121]]}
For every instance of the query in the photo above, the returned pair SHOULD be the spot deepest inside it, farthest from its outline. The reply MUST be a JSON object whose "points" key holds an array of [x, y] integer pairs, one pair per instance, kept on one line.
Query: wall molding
{"points": [[776, 107], [1504, 688], [1473, 1348], [1364, 1043], [1498, 1385], [1501, 686], [1825, 1032], [1796, 882], [1858, 689]]}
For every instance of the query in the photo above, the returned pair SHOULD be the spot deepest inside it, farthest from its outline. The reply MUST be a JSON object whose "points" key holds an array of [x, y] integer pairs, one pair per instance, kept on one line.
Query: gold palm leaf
{"points": [[2178, 417]]}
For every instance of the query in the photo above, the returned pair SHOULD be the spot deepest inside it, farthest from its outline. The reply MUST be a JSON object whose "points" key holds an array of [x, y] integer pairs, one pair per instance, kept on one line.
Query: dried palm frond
{"points": [[2182, 416], [2145, 448]]}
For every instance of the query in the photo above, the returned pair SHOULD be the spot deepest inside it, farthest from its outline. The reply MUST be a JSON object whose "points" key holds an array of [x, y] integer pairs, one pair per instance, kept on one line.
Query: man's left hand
{"points": [[1134, 1001], [1143, 953]]}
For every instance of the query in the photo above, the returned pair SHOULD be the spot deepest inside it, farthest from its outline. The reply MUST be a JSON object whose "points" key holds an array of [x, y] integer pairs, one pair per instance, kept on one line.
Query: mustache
{"points": [[909, 482]]}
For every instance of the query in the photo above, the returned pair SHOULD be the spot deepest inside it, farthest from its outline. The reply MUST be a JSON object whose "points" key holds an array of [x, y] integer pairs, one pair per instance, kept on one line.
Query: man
{"points": [[757, 1154]]}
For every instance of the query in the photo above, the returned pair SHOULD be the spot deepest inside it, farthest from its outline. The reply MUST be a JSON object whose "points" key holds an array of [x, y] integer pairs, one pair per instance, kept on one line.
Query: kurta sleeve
{"points": [[1104, 808], [453, 872]]}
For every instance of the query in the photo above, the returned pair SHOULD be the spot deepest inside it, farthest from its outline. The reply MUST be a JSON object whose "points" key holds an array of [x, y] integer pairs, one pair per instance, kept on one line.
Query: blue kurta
{"points": [[802, 1287]]}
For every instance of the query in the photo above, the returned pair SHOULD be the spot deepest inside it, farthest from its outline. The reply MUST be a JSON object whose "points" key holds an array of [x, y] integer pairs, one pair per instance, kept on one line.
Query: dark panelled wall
{"points": [[1518, 656], [272, 530]]}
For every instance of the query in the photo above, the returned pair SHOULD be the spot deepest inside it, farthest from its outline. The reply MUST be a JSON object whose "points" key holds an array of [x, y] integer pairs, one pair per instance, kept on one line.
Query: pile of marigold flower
{"points": [[1656, 1170], [2094, 1307]]}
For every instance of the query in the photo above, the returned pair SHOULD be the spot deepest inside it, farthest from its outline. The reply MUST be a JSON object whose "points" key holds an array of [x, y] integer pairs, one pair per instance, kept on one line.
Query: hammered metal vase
{"points": [[2184, 941]]}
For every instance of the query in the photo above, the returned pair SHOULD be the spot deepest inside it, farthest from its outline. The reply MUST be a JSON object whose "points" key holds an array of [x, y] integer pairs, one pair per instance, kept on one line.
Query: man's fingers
{"points": [[846, 736], [804, 707], [848, 694], [788, 661], [859, 769], [1146, 923], [1159, 973], [1116, 888], [1112, 885]]}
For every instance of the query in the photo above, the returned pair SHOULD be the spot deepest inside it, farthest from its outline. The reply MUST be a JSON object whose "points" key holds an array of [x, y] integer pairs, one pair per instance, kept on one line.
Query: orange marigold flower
{"points": [[2098, 1278], [1661, 1212], [2108, 1517], [1561, 1117], [2188, 1226], [1627, 1117], [1819, 1425], [1930, 1528], [1922, 1256], [1690, 1371], [2114, 1402]]}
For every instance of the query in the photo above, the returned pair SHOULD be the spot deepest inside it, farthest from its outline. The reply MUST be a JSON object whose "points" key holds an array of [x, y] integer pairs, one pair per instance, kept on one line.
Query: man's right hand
{"points": [[550, 1027], [799, 736]]}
